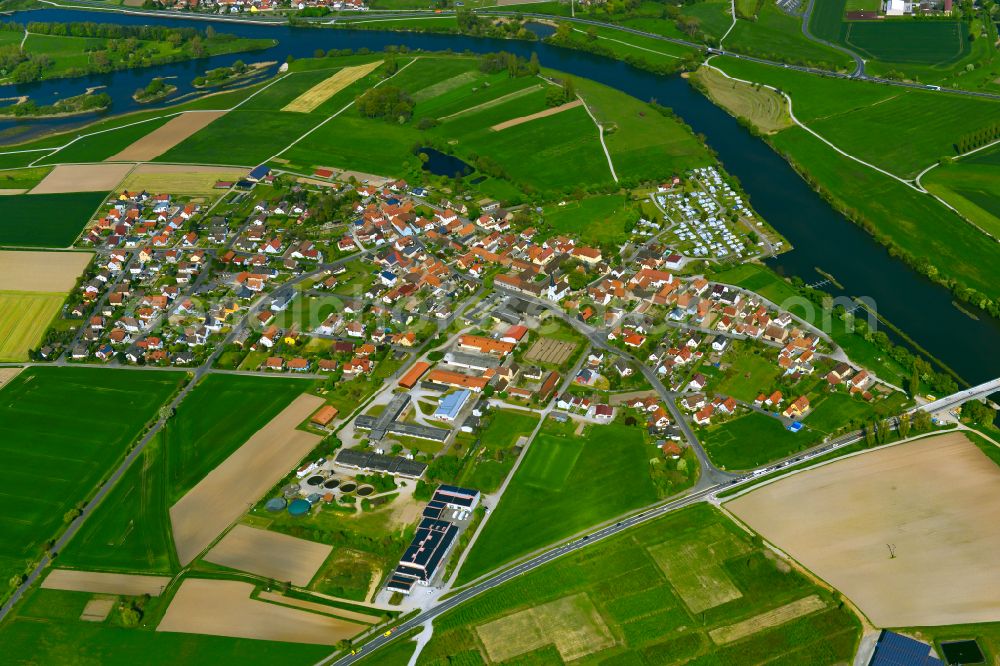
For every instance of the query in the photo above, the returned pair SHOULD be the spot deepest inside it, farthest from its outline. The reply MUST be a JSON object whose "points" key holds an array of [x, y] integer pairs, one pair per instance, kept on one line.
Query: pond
{"points": [[442, 164]]}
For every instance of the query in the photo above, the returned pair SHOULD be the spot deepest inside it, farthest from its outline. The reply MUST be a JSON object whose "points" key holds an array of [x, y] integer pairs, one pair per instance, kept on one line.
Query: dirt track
{"points": [[44, 272], [270, 554], [224, 495], [105, 583], [933, 501], [82, 178], [166, 136], [224, 608], [513, 122]]}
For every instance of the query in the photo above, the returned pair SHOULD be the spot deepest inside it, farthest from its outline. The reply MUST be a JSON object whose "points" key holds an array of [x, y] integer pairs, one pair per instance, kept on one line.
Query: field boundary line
{"points": [[732, 10], [600, 136], [329, 118], [635, 46], [503, 99]]}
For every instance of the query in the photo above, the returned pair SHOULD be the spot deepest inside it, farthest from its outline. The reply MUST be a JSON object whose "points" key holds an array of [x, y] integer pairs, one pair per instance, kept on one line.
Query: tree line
{"points": [[979, 138]]}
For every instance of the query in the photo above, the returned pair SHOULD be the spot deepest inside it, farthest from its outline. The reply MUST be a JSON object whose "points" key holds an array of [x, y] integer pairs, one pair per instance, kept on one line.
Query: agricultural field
{"points": [[690, 587], [564, 484], [82, 178], [158, 138], [24, 318], [644, 144], [58, 439], [28, 219], [932, 498], [195, 180], [20, 180], [212, 422], [920, 42], [491, 464], [104, 145]]}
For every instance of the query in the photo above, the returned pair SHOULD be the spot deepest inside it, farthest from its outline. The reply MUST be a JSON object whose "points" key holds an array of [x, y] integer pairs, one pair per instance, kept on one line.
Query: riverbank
{"points": [[89, 102]]}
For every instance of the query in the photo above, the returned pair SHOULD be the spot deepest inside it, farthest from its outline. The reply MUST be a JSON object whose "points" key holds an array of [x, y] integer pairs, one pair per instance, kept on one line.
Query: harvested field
{"points": [[9, 191], [179, 179], [771, 618], [82, 178], [549, 350], [98, 582], [694, 568], [270, 554], [167, 136], [573, 624], [24, 317], [319, 93], [97, 610], [224, 608], [219, 499], [41, 271], [934, 501], [514, 122], [7, 374], [494, 102], [319, 608]]}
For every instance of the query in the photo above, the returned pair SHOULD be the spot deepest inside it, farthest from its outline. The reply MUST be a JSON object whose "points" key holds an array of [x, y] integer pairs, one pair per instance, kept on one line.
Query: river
{"points": [[821, 237]]}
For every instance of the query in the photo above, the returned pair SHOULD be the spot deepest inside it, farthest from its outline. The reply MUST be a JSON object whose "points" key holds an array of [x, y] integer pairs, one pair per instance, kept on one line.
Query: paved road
{"points": [[859, 63]]}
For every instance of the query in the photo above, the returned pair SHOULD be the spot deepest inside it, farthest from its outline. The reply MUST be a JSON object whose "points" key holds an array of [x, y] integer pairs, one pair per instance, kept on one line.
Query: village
{"points": [[426, 321]]}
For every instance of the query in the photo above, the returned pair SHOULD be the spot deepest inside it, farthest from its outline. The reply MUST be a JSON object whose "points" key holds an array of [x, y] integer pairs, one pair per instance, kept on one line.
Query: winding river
{"points": [[822, 237]]}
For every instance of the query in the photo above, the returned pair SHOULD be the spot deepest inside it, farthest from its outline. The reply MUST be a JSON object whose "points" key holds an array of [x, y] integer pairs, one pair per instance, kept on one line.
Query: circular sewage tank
{"points": [[330, 484], [299, 507], [365, 491], [314, 480], [276, 504], [348, 487]]}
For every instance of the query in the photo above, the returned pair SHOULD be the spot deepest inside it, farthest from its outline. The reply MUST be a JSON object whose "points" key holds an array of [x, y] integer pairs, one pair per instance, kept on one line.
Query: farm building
{"points": [[410, 379], [895, 649], [375, 462], [454, 497], [430, 546], [323, 416], [450, 406]]}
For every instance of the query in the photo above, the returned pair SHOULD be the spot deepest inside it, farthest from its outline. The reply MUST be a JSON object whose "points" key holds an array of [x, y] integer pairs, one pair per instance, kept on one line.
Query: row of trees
{"points": [[387, 102], [515, 65], [979, 138]]}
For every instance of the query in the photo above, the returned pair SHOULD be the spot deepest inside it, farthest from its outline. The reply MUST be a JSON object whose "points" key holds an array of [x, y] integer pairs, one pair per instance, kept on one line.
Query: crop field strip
{"points": [[24, 318], [311, 99]]}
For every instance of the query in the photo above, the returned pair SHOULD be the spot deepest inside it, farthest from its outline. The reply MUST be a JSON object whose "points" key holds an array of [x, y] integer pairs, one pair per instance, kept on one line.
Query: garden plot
{"points": [[572, 624], [694, 567], [551, 351], [907, 532]]}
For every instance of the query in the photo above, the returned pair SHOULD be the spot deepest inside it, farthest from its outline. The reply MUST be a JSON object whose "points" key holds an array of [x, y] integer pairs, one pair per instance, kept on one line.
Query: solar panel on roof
{"points": [[895, 649]]}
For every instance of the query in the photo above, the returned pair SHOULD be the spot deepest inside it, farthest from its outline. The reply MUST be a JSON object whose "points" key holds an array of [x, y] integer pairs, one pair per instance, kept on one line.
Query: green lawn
{"points": [[32, 219], [971, 186], [629, 600], [599, 219], [61, 432], [361, 144], [752, 370], [564, 484], [215, 419], [752, 440], [487, 468], [506, 427]]}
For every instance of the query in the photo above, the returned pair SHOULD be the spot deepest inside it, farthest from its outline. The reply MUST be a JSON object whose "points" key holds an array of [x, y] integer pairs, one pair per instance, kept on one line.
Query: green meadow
{"points": [[565, 483], [776, 35], [30, 219], [752, 440], [61, 432], [225, 140], [971, 186], [598, 219], [689, 588], [101, 146]]}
